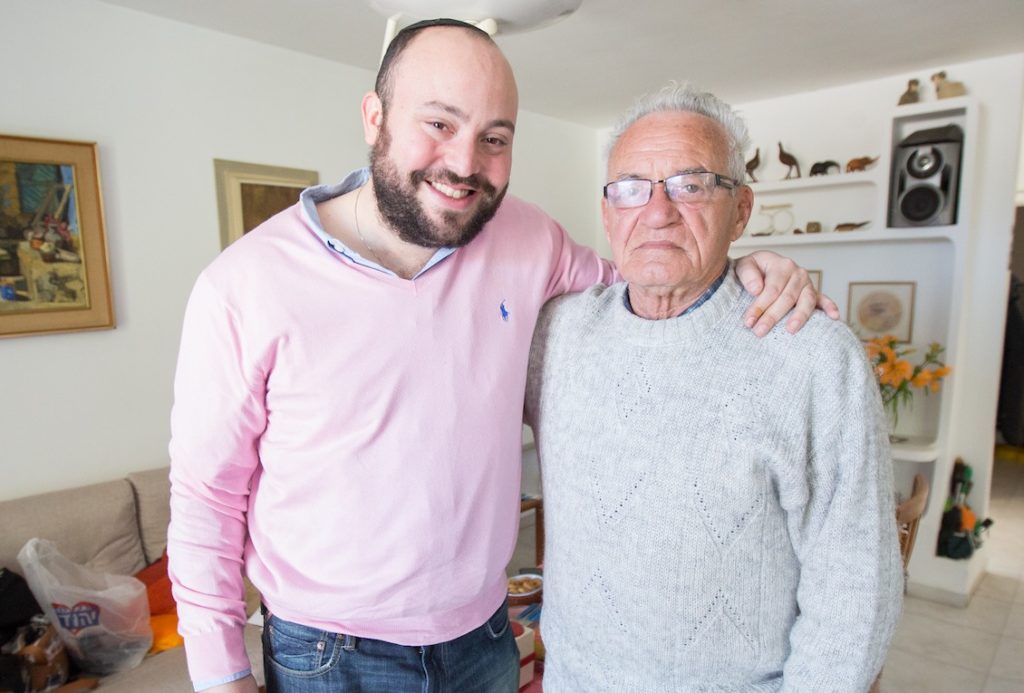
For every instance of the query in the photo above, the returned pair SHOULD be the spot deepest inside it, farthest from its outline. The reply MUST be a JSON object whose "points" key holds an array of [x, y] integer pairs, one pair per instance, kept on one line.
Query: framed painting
{"points": [[249, 194], [54, 274], [876, 309], [815, 276]]}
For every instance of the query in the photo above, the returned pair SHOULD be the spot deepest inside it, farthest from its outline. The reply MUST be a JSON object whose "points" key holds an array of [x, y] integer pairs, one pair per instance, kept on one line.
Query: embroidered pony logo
{"points": [[504, 312], [78, 617]]}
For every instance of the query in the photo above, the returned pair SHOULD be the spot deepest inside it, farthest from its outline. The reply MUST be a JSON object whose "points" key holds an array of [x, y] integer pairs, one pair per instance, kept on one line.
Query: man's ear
{"points": [[373, 117], [744, 208]]}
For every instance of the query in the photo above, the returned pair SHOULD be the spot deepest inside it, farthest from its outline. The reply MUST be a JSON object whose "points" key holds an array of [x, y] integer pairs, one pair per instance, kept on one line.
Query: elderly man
{"points": [[719, 507], [349, 398]]}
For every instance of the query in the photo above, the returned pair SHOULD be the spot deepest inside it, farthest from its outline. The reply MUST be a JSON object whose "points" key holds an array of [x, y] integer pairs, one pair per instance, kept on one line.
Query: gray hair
{"points": [[685, 97]]}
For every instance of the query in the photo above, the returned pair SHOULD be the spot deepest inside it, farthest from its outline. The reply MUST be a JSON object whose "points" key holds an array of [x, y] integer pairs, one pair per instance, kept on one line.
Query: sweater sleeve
{"points": [[576, 267], [218, 415], [841, 517]]}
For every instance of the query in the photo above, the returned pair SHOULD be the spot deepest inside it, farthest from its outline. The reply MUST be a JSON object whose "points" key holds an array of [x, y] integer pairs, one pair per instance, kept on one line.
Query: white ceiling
{"points": [[588, 67]]}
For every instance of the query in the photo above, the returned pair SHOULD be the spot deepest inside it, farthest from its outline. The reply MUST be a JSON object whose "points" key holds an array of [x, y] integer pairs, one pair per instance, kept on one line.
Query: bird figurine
{"points": [[860, 163], [789, 160], [945, 89], [753, 164], [912, 94]]}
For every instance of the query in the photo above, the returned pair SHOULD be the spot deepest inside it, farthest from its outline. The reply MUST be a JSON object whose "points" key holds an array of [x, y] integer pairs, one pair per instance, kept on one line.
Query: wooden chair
{"points": [[536, 504], [908, 517]]}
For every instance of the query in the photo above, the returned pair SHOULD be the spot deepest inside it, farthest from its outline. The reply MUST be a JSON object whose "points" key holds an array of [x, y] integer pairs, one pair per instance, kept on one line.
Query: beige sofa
{"points": [[116, 527]]}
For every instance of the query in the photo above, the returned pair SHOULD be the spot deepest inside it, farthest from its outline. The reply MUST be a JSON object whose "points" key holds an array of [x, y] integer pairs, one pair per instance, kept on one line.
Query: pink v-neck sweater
{"points": [[352, 439]]}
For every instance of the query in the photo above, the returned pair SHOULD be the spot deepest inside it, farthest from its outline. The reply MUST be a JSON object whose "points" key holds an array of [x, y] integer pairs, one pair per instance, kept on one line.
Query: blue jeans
{"points": [[300, 659]]}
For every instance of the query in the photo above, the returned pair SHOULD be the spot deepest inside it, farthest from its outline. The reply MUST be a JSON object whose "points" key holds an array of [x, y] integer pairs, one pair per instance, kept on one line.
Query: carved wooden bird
{"points": [[912, 94], [753, 164], [789, 160]]}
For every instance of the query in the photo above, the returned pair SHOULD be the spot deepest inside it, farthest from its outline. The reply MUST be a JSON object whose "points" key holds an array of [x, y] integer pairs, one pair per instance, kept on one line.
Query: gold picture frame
{"points": [[249, 194], [876, 309], [815, 277], [54, 270]]}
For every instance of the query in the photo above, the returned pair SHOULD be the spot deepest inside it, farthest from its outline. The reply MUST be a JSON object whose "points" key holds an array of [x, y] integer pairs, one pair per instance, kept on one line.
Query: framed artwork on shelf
{"points": [[815, 279], [54, 274], [249, 194], [876, 309]]}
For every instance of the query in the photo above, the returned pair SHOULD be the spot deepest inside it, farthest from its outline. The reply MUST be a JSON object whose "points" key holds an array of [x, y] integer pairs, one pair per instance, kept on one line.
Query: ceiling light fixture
{"points": [[493, 16]]}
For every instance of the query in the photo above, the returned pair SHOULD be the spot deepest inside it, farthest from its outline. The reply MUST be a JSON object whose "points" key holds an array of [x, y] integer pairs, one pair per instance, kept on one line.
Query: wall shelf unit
{"points": [[915, 449], [932, 257], [865, 235], [832, 180], [959, 270]]}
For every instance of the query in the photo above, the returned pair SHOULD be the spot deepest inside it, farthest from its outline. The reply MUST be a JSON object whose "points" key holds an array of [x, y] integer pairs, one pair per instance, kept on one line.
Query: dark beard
{"points": [[397, 203]]}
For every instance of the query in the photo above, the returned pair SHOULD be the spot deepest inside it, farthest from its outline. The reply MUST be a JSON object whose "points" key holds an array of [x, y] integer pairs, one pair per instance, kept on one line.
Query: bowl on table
{"points": [[525, 588]]}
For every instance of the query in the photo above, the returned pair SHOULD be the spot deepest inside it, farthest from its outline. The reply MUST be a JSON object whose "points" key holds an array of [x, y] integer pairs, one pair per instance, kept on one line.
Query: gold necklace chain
{"points": [[355, 213]]}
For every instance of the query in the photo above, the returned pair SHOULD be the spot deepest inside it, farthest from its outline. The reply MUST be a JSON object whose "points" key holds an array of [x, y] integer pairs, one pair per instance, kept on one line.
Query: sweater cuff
{"points": [[216, 655]]}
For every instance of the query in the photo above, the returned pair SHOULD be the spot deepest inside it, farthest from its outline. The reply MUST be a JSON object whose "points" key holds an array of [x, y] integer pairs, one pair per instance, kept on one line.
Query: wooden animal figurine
{"points": [[820, 168], [753, 164], [860, 163], [912, 94], [945, 89], [849, 226], [789, 160]]}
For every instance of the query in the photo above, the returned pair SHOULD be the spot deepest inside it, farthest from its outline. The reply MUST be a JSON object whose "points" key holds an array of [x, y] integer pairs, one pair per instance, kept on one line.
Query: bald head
{"points": [[396, 49]]}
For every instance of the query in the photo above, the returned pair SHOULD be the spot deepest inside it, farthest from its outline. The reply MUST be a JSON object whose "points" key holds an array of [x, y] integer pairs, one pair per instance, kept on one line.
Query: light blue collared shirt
{"points": [[309, 199]]}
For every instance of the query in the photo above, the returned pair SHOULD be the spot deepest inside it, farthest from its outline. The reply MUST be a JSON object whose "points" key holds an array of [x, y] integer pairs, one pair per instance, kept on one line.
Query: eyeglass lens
{"points": [[688, 188]]}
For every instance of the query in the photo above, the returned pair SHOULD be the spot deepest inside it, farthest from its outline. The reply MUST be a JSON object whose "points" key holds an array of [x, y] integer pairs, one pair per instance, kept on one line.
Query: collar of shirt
{"points": [[708, 293], [310, 197]]}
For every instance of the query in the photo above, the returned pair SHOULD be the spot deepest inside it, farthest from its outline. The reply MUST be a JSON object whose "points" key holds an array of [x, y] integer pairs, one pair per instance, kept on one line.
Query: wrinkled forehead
{"points": [[668, 142]]}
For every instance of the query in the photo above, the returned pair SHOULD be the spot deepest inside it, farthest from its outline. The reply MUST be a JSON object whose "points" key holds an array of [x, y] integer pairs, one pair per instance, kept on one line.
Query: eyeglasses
{"points": [[693, 188]]}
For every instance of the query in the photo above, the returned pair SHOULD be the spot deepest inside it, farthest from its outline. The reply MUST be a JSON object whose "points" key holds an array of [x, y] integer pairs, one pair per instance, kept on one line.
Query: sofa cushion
{"points": [[153, 497], [92, 525]]}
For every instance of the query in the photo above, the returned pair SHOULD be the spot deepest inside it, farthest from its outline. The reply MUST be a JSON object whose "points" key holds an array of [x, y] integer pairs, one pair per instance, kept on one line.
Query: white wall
{"points": [[163, 99], [1020, 175]]}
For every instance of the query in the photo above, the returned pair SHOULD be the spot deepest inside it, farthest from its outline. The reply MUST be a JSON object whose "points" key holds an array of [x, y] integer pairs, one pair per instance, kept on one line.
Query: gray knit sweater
{"points": [[719, 507]]}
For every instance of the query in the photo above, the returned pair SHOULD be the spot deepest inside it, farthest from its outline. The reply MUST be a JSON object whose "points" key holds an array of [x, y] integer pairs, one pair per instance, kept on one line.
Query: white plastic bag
{"points": [[103, 619]]}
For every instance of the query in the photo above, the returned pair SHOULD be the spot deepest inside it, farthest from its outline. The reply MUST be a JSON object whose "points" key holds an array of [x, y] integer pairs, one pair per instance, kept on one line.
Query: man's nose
{"points": [[660, 210], [461, 156]]}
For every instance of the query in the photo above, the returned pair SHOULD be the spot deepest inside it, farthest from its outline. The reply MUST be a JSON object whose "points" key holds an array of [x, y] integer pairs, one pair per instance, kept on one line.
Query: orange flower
{"points": [[897, 377], [897, 372], [922, 379], [937, 375]]}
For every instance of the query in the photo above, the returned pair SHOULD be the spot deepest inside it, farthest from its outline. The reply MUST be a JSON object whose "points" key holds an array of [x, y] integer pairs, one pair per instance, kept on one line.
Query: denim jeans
{"points": [[300, 659]]}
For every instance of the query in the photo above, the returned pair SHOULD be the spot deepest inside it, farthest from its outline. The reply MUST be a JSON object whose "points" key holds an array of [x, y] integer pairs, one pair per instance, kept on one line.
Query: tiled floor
{"points": [[979, 649], [938, 648]]}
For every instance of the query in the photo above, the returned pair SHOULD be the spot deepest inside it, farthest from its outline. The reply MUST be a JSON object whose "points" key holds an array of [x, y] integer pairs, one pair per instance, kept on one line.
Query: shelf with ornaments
{"points": [[824, 208]]}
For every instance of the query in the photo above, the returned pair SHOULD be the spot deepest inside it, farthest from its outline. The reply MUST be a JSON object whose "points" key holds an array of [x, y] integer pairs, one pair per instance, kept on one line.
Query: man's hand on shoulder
{"points": [[780, 285]]}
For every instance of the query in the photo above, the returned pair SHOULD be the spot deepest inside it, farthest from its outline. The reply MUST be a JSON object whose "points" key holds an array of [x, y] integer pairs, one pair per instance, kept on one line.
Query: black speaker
{"points": [[925, 179]]}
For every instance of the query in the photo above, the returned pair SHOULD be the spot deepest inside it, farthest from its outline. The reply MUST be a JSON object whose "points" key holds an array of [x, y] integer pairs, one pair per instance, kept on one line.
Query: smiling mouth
{"points": [[448, 191]]}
